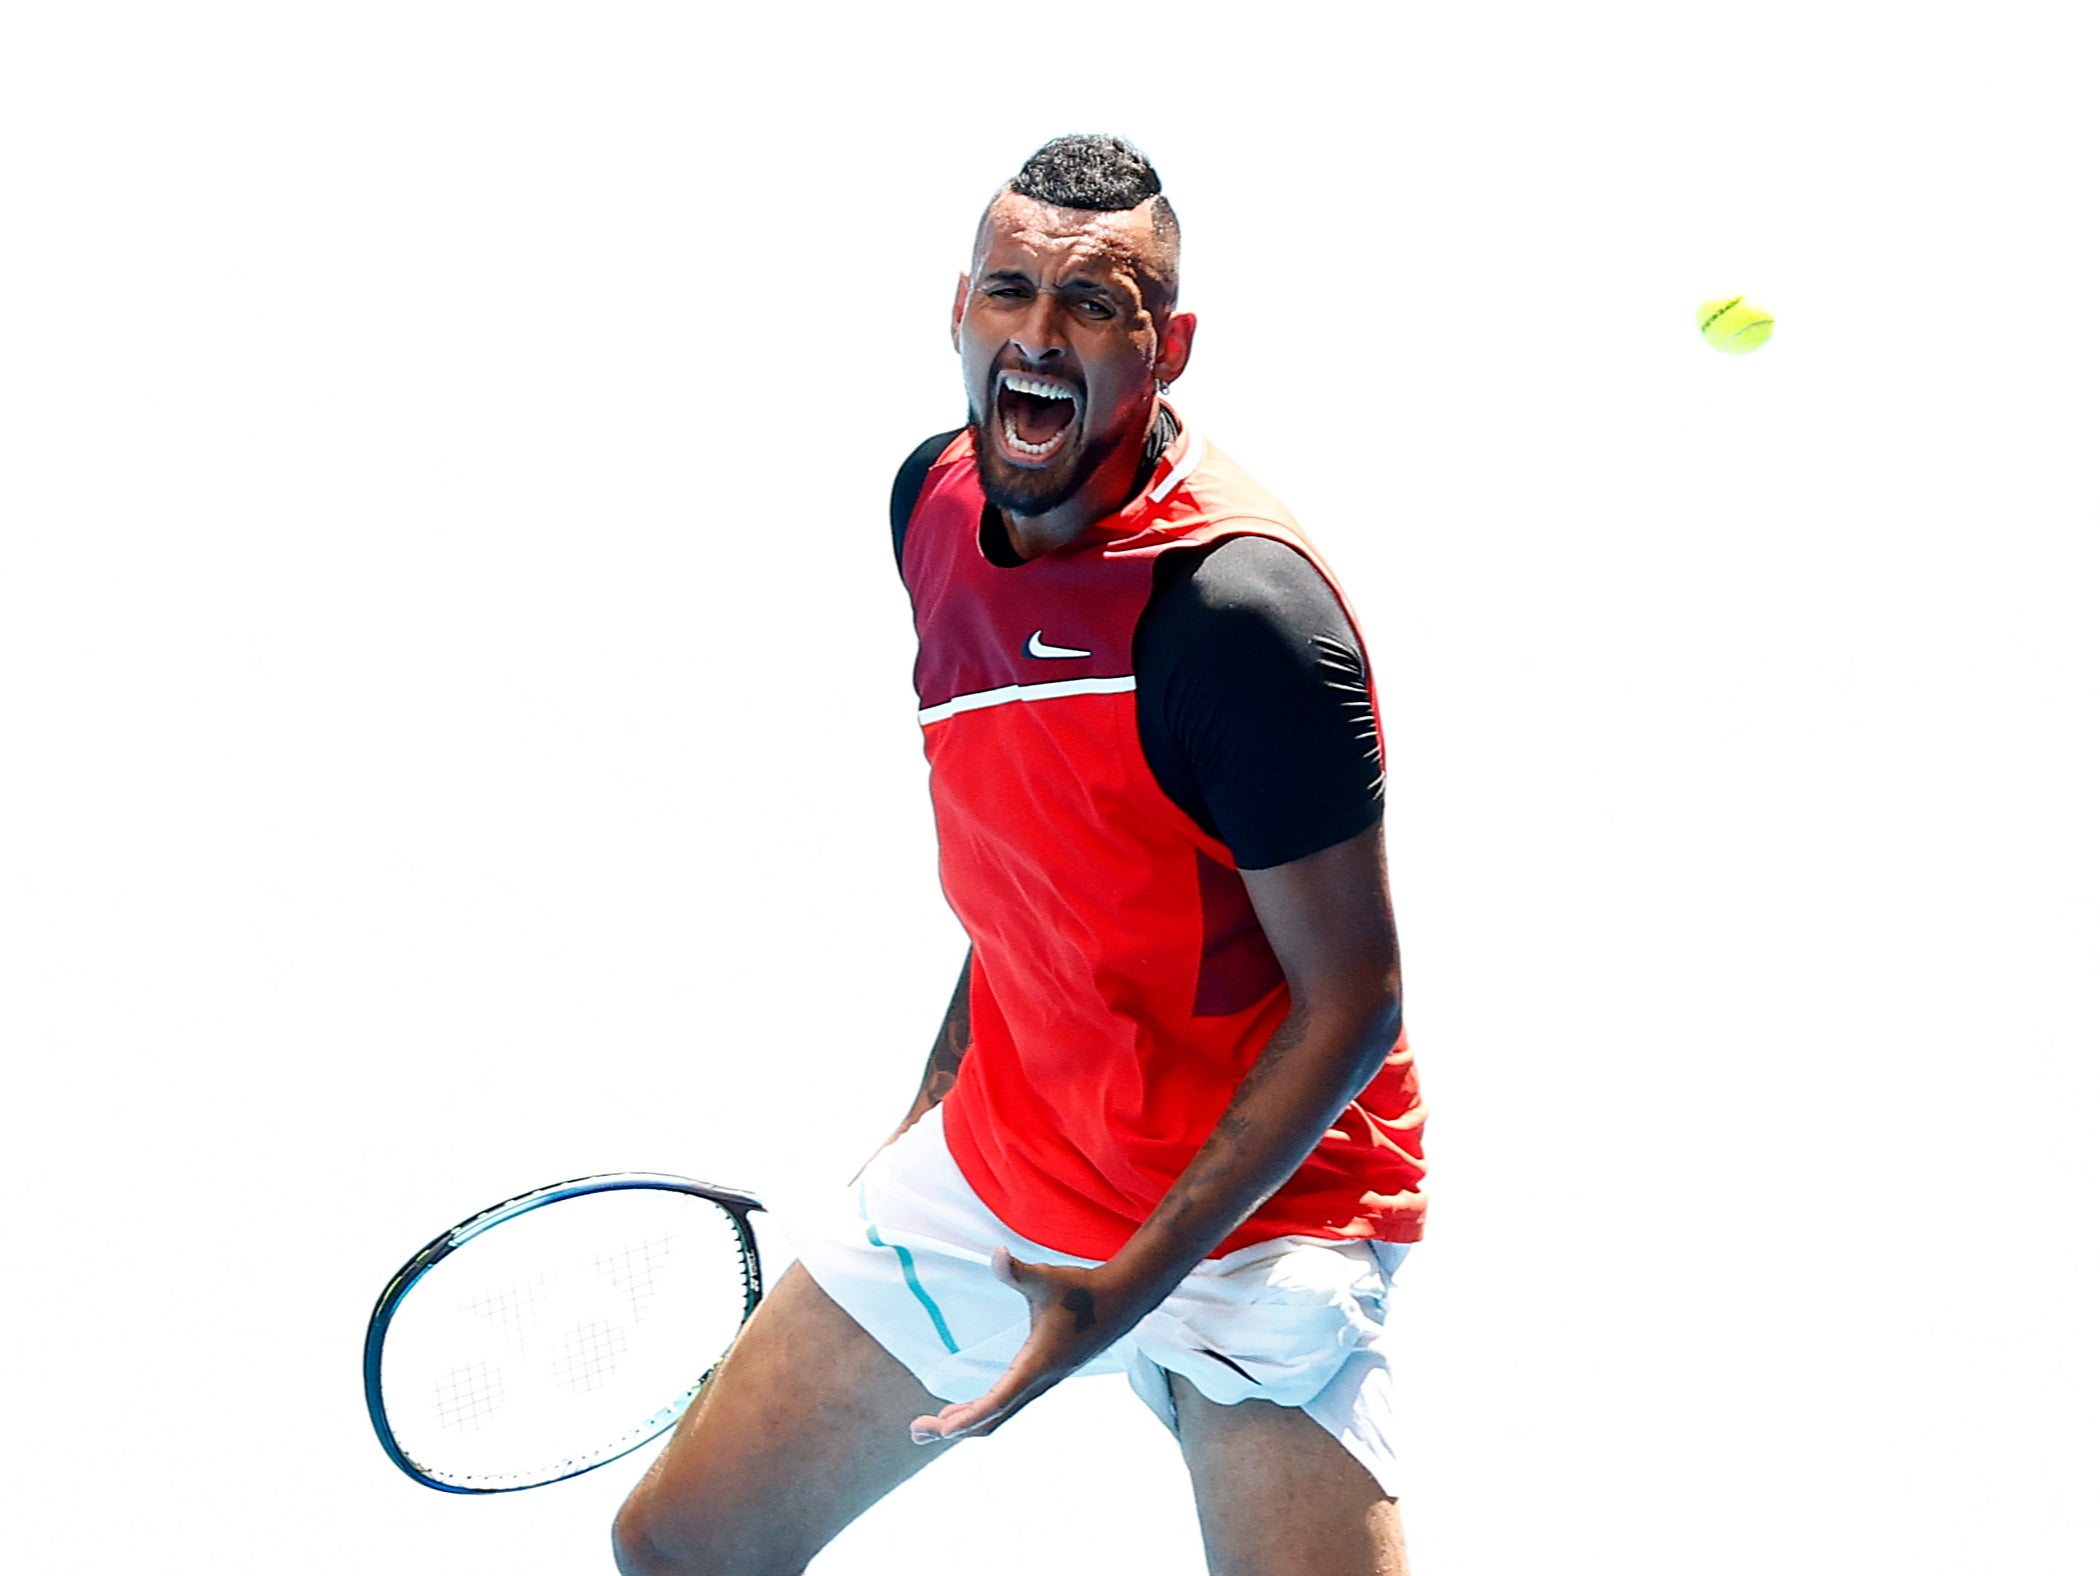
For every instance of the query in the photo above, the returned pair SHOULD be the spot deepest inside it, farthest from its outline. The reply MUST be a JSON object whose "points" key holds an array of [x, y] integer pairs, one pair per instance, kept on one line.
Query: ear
{"points": [[1176, 340], [962, 299]]}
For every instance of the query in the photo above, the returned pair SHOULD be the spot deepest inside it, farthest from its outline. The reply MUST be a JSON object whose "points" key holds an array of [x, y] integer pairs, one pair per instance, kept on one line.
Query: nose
{"points": [[1039, 336]]}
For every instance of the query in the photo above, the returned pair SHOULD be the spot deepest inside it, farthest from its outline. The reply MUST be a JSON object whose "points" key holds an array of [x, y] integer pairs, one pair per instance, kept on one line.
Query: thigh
{"points": [[1277, 1495], [806, 1423]]}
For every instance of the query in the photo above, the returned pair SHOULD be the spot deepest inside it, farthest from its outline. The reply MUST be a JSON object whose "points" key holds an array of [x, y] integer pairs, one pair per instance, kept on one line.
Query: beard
{"points": [[1032, 493]]}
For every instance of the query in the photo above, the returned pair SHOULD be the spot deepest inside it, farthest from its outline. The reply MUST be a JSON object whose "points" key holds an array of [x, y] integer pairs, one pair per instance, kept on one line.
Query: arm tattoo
{"points": [[1079, 1303], [944, 1062], [1217, 1163]]}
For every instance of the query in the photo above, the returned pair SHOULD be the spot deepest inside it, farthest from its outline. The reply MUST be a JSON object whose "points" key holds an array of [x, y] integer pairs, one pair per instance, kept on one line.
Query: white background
{"points": [[457, 732]]}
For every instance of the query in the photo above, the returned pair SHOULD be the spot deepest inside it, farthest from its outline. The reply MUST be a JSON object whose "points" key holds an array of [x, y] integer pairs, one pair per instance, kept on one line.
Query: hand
{"points": [[1074, 1314]]}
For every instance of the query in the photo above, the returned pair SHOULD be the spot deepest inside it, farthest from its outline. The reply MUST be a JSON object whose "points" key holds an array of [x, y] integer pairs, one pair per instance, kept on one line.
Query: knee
{"points": [[644, 1545], [636, 1551], [641, 1547]]}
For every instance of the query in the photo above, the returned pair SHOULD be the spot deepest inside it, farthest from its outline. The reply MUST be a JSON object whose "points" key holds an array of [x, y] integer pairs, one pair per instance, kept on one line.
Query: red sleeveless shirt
{"points": [[1120, 985]]}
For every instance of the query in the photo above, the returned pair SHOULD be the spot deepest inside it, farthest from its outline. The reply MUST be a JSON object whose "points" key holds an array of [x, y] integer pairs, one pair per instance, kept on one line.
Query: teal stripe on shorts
{"points": [[911, 1275]]}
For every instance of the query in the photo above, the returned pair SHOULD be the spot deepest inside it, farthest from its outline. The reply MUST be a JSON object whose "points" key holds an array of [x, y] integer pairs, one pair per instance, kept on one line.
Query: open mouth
{"points": [[1035, 415]]}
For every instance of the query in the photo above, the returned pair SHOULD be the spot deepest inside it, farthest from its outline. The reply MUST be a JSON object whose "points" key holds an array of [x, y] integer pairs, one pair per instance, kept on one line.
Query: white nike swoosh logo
{"points": [[1038, 648]]}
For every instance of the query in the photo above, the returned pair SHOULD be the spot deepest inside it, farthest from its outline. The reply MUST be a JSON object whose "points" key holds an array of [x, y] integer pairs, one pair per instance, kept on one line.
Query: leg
{"points": [[805, 1424], [1277, 1495]]}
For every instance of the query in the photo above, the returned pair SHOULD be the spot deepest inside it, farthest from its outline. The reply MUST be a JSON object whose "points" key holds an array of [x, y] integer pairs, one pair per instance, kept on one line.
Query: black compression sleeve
{"points": [[1253, 703]]}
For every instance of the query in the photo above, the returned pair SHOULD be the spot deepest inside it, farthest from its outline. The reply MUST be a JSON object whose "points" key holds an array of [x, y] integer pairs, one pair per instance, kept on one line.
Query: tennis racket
{"points": [[558, 1330]]}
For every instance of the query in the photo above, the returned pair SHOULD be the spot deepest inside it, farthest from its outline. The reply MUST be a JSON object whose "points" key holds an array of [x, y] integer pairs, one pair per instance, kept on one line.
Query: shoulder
{"points": [[910, 482], [1244, 587], [1254, 701]]}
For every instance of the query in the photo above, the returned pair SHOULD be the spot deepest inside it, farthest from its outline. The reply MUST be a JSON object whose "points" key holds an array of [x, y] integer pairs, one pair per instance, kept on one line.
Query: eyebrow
{"points": [[1077, 286]]}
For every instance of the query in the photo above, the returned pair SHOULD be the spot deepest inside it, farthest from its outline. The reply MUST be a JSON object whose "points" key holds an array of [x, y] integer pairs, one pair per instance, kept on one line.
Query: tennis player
{"points": [[1170, 1126]]}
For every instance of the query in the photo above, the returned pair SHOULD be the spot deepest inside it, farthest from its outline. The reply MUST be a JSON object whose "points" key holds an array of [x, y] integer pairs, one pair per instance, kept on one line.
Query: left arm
{"points": [[1329, 920]]}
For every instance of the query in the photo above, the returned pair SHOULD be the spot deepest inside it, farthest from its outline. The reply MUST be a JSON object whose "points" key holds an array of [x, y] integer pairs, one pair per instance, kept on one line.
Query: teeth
{"points": [[1025, 446], [1035, 386], [1041, 390]]}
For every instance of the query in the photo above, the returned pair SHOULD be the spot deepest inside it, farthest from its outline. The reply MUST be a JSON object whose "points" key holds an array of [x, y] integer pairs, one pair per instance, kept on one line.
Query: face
{"points": [[1064, 341]]}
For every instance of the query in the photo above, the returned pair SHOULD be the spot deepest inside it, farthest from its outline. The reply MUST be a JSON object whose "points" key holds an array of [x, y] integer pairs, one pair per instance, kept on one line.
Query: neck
{"points": [[1108, 491]]}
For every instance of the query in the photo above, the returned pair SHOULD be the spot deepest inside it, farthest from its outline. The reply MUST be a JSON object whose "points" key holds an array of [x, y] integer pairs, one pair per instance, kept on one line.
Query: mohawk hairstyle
{"points": [[1105, 175]]}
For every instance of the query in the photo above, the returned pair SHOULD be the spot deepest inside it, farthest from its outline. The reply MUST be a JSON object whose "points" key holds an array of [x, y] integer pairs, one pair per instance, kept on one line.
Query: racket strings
{"points": [[564, 1337], [513, 1310], [466, 1397], [588, 1355], [633, 1269]]}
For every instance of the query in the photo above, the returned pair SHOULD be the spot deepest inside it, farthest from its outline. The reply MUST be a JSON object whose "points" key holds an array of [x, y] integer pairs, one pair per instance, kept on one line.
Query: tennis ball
{"points": [[1732, 324]]}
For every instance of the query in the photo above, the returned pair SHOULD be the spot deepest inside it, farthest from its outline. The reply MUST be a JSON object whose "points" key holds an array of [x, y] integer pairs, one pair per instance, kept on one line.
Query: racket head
{"points": [[578, 1324]]}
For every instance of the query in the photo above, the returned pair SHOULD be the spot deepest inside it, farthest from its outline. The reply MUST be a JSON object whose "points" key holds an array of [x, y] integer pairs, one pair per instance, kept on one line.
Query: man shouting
{"points": [[1170, 1127]]}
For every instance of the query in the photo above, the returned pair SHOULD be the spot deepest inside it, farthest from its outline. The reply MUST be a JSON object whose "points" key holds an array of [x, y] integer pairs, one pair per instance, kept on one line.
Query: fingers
{"points": [[1034, 1368], [933, 1430], [1020, 1384], [1014, 1272], [965, 1419]]}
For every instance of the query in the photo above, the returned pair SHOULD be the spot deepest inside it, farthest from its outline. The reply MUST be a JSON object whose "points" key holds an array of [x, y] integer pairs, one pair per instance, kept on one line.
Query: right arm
{"points": [[946, 1058], [944, 1061]]}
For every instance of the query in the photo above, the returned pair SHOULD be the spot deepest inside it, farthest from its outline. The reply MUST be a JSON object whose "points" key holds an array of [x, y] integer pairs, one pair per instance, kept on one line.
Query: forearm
{"points": [[944, 1061], [1317, 1061], [1329, 919]]}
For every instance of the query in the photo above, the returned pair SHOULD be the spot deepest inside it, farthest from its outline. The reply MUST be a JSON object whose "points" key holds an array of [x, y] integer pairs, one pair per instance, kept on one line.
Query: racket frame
{"points": [[736, 1201]]}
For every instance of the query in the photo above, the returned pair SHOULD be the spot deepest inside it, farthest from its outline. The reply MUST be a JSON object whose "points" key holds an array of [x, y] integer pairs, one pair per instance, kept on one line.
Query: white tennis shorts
{"points": [[906, 1250]]}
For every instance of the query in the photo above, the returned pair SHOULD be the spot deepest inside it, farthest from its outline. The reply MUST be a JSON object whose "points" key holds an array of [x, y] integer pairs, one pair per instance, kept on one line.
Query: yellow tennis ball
{"points": [[1732, 324]]}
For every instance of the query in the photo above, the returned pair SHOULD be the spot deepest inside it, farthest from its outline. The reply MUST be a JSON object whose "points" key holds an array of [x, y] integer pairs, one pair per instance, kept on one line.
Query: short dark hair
{"points": [[1104, 175]]}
